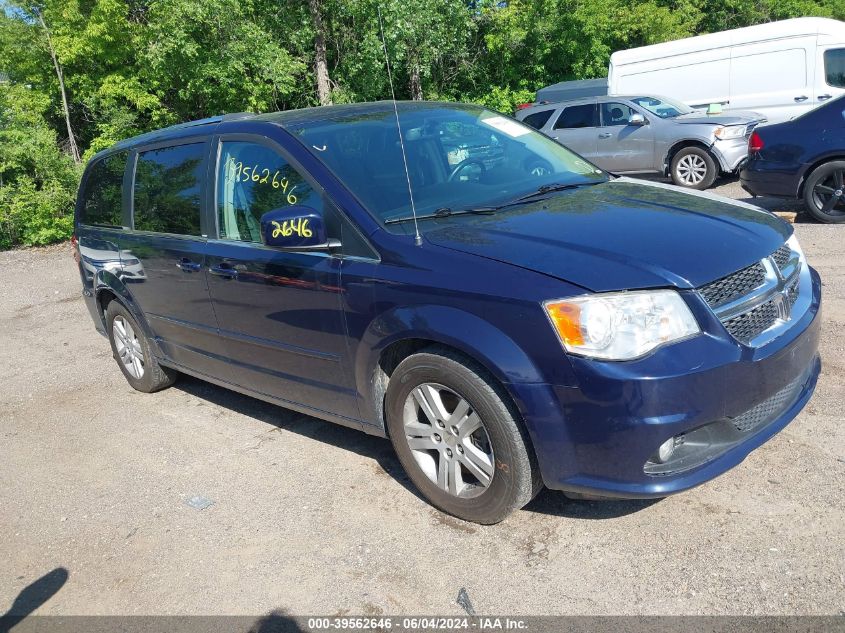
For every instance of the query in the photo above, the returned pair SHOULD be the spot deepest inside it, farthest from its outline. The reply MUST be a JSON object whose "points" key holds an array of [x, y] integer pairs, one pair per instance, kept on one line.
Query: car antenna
{"points": [[417, 236]]}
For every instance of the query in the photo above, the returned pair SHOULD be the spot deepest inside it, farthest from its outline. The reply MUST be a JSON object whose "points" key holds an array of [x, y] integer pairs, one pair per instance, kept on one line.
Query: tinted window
{"points": [[577, 116], [168, 184], [834, 67], [615, 114], [102, 197], [253, 179], [538, 119]]}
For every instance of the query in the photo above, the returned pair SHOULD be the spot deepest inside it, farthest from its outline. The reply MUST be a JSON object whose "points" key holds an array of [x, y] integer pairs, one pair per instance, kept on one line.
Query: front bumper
{"points": [[596, 438], [731, 153]]}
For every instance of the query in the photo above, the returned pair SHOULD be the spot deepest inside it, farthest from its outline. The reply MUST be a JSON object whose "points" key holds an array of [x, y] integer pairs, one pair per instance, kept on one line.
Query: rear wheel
{"points": [[132, 352], [694, 168], [824, 192], [458, 440]]}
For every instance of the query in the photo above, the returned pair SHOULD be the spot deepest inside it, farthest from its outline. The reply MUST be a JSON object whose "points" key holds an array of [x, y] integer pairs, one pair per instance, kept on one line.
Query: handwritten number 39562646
{"points": [[236, 171]]}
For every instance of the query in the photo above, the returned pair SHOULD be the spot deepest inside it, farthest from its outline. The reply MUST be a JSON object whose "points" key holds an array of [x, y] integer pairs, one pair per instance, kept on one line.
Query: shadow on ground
{"points": [[380, 450], [33, 596]]}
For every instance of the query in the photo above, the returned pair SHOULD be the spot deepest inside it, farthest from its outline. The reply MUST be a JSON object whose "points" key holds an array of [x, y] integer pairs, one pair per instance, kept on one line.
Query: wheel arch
{"points": [[812, 167], [109, 287], [404, 331], [683, 144]]}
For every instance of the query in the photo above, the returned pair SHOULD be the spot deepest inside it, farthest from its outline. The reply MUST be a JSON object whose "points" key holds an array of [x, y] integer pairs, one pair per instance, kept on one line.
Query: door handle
{"points": [[605, 135], [186, 265], [824, 97], [227, 271], [801, 98]]}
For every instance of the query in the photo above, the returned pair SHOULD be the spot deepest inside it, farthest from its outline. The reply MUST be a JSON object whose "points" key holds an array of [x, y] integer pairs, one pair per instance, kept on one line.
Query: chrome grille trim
{"points": [[755, 303]]}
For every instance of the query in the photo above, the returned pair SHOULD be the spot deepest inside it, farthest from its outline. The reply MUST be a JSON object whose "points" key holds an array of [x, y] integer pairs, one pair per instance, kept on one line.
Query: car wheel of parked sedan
{"points": [[459, 441], [693, 167], [824, 192], [132, 352]]}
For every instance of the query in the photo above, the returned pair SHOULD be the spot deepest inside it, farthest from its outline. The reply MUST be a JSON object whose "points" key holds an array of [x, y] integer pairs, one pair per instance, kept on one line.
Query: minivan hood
{"points": [[620, 235]]}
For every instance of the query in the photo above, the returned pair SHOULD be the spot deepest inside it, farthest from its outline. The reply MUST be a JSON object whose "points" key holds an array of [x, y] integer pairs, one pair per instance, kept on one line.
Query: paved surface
{"points": [[314, 518]]}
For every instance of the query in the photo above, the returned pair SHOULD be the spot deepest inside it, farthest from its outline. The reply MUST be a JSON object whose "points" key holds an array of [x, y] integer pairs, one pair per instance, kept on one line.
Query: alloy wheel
{"points": [[829, 194], [448, 440], [128, 347], [691, 169]]}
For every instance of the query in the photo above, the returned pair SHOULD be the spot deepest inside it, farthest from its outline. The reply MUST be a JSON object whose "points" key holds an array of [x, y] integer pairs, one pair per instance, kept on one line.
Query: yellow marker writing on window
{"points": [[289, 227]]}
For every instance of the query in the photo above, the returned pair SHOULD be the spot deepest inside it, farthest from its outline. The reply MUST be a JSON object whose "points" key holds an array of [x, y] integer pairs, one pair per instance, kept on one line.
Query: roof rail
{"points": [[181, 126]]}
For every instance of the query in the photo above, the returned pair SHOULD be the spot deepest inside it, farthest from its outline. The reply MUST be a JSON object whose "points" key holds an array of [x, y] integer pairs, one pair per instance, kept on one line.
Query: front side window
{"points": [[577, 116], [538, 119], [103, 193], [168, 184], [253, 179], [834, 67], [615, 114]]}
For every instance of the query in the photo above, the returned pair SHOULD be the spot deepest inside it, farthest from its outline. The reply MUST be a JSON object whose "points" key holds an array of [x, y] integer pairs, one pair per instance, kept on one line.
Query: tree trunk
{"points": [[415, 83], [324, 90], [74, 150]]}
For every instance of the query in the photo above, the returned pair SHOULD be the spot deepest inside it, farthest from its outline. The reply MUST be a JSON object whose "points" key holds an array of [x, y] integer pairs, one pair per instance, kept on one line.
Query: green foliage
{"points": [[37, 180], [131, 66]]}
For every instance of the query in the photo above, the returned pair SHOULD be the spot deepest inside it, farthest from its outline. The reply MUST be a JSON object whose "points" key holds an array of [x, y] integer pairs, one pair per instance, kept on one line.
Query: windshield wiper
{"points": [[443, 212], [550, 188]]}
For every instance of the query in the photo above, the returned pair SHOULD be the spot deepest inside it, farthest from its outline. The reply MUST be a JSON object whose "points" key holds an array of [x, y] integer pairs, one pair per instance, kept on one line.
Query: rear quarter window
{"points": [[538, 119], [102, 193]]}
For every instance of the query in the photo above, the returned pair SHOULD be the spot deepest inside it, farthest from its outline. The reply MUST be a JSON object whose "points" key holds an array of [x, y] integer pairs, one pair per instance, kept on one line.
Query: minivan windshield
{"points": [[662, 106], [461, 159]]}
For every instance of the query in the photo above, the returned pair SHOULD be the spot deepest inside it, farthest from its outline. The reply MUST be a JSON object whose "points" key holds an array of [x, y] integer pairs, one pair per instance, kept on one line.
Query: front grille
{"points": [[782, 255], [749, 325], [749, 129], [769, 409], [762, 298], [734, 286]]}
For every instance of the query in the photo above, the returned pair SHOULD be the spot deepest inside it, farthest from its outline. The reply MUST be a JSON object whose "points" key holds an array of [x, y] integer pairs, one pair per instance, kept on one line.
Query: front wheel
{"points": [[694, 168], [824, 193], [457, 439]]}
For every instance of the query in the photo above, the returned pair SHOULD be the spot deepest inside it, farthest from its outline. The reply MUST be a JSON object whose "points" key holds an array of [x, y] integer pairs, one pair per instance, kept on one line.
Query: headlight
{"points": [[620, 325], [732, 131]]}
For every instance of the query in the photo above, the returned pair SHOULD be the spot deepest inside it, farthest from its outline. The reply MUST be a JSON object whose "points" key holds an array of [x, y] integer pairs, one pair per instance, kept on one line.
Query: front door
{"points": [[166, 254], [280, 313], [622, 146]]}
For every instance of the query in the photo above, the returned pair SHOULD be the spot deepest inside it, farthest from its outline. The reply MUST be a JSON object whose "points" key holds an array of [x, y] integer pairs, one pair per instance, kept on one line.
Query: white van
{"points": [[780, 69]]}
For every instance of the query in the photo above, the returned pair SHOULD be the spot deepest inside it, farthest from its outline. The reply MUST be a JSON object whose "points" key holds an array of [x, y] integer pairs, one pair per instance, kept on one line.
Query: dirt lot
{"points": [[314, 518]]}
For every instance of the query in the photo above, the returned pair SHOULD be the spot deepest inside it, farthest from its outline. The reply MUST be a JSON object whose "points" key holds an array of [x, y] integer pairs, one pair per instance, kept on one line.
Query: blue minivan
{"points": [[508, 314]]}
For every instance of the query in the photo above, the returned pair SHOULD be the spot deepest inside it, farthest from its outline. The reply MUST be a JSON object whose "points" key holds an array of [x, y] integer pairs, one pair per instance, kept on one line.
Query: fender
{"points": [[106, 280], [464, 331]]}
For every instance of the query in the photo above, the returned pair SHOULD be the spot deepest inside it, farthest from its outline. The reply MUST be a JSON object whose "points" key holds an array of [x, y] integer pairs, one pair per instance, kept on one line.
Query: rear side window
{"points": [[253, 179], [578, 116], [538, 119], [168, 185], [103, 192], [834, 67]]}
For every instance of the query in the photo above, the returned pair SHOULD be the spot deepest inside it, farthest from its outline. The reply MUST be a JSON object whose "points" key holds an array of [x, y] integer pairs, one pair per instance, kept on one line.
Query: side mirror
{"points": [[295, 228], [636, 119]]}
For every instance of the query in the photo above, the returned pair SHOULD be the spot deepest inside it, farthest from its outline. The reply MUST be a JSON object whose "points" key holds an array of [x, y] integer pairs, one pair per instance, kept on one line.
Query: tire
{"points": [[498, 451], [824, 193], [693, 168], [135, 360]]}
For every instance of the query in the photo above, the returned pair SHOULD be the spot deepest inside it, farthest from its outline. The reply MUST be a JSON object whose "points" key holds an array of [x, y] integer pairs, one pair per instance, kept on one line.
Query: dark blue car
{"points": [[529, 320], [802, 158]]}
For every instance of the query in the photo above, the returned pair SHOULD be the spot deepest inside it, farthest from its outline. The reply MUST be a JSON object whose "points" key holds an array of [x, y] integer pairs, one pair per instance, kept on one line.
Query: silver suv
{"points": [[648, 134]]}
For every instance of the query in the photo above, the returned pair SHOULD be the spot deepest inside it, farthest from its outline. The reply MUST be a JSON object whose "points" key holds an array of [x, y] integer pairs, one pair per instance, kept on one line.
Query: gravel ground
{"points": [[313, 518]]}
